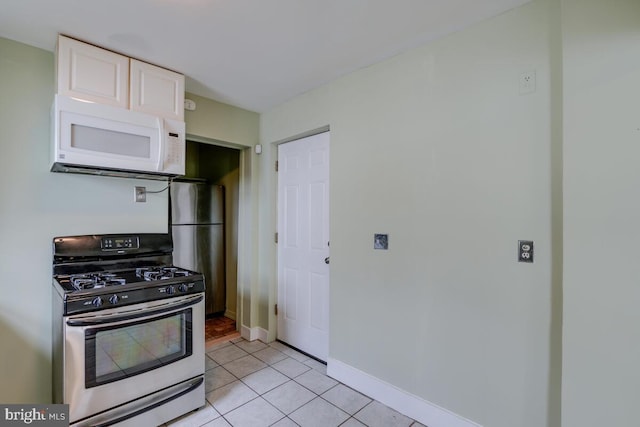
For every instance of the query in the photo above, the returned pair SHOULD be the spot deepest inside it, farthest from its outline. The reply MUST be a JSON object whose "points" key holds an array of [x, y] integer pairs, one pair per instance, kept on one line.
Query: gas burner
{"points": [[90, 278], [96, 280], [141, 270], [82, 283], [160, 273]]}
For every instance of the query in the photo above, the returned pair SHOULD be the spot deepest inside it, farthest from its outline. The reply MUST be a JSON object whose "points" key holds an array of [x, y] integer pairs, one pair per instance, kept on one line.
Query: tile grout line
{"points": [[268, 365], [249, 350]]}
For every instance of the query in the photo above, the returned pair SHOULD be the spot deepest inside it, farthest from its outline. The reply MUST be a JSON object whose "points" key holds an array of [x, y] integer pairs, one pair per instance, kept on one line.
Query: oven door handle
{"points": [[133, 315], [192, 387]]}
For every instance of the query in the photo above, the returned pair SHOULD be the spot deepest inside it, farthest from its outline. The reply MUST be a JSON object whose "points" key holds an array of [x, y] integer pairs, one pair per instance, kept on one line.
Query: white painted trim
{"points": [[263, 334], [252, 334], [230, 314], [406, 403], [246, 333]]}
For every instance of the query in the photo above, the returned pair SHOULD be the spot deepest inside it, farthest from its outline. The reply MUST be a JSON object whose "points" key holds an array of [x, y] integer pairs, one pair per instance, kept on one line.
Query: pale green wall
{"points": [[437, 148], [601, 337], [222, 122], [37, 205]]}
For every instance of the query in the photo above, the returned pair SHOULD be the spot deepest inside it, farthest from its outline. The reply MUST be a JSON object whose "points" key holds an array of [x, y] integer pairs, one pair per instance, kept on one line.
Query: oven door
{"points": [[116, 356]]}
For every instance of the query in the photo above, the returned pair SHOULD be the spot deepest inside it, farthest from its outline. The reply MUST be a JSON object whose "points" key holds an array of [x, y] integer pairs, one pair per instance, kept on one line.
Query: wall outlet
{"points": [[525, 250], [527, 82], [140, 194]]}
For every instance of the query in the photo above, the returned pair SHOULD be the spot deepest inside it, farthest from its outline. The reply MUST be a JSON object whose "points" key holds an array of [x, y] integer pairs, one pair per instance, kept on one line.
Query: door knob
{"points": [[326, 260]]}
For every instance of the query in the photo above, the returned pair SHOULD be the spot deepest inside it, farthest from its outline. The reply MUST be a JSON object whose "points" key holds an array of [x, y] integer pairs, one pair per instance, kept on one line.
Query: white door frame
{"points": [[246, 222]]}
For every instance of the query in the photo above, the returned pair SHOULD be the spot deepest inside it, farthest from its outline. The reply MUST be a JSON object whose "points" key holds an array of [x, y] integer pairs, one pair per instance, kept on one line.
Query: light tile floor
{"points": [[253, 384]]}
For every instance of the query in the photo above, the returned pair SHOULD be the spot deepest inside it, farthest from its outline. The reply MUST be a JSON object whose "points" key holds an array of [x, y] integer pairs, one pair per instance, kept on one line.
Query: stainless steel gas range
{"points": [[128, 330]]}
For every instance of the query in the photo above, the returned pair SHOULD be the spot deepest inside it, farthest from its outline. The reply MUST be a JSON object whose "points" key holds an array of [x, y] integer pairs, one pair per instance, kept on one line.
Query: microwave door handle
{"points": [[160, 165]]}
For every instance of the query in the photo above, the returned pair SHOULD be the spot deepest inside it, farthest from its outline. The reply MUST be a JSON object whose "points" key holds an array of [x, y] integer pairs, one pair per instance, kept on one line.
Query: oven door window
{"points": [[122, 351]]}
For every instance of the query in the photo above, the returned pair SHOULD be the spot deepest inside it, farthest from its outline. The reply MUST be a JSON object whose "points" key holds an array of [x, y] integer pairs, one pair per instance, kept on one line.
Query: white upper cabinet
{"points": [[156, 90], [98, 75], [93, 74]]}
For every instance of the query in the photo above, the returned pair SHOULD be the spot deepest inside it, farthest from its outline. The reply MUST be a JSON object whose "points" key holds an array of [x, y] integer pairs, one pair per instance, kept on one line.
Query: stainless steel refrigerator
{"points": [[197, 226]]}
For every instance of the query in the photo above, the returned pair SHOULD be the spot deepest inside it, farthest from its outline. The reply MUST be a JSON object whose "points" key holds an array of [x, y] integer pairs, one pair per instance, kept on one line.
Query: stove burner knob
{"points": [[183, 288], [171, 290], [97, 302], [113, 299]]}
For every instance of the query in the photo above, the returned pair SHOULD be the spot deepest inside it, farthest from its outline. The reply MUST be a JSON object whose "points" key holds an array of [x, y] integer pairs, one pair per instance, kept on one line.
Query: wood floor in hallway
{"points": [[218, 329]]}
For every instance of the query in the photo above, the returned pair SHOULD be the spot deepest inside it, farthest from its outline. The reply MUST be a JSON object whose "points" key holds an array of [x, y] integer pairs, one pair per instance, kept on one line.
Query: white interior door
{"points": [[303, 244]]}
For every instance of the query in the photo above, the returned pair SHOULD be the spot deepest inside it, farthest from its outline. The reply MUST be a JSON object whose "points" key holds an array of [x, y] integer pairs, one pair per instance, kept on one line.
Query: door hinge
{"points": [[276, 309], [275, 237], [276, 166]]}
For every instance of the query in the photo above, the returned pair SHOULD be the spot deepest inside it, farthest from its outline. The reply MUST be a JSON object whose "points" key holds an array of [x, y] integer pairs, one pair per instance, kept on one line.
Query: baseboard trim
{"points": [[230, 314], [252, 334], [406, 403]]}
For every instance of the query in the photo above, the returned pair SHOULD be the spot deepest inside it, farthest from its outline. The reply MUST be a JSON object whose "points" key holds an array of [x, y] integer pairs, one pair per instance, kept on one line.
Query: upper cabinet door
{"points": [[91, 73], [156, 90]]}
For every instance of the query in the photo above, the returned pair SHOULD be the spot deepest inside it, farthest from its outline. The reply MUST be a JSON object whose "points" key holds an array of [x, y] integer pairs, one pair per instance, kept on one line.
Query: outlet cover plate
{"points": [[525, 250], [140, 194]]}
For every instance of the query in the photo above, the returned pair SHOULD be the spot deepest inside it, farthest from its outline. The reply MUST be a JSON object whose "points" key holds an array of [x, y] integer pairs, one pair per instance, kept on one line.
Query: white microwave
{"points": [[106, 140]]}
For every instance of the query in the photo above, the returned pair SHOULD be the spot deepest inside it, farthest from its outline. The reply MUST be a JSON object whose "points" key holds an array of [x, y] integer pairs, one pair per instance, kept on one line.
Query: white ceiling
{"points": [[253, 54]]}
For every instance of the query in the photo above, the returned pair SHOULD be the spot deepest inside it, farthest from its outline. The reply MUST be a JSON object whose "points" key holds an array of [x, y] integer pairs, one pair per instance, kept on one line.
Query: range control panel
{"points": [[110, 298], [116, 243]]}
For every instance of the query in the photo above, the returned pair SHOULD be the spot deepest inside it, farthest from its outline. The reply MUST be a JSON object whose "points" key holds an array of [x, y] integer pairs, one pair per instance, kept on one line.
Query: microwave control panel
{"points": [[174, 149]]}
